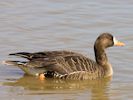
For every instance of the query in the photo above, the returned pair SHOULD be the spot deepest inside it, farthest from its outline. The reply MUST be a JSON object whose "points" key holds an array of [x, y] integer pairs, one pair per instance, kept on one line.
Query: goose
{"points": [[67, 64]]}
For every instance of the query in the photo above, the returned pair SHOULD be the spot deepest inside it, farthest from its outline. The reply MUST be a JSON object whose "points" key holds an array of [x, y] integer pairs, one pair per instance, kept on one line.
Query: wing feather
{"points": [[64, 63]]}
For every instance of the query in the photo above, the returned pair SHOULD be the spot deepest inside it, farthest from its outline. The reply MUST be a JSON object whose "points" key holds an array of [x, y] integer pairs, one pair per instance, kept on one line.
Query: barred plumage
{"points": [[67, 64]]}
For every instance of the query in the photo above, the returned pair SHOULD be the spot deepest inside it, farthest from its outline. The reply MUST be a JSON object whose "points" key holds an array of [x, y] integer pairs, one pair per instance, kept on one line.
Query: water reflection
{"points": [[98, 89]]}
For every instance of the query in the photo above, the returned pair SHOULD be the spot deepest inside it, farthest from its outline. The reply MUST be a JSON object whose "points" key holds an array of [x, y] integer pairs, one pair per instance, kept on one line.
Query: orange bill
{"points": [[118, 43]]}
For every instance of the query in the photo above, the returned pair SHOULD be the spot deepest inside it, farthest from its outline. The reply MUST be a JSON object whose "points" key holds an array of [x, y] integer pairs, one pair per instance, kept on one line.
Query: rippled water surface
{"points": [[38, 25]]}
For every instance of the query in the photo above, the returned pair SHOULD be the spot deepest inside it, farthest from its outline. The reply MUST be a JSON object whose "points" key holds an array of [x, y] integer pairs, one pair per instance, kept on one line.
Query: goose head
{"points": [[106, 40]]}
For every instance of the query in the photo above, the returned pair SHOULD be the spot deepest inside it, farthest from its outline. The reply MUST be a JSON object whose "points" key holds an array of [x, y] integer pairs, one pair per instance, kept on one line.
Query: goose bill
{"points": [[118, 43]]}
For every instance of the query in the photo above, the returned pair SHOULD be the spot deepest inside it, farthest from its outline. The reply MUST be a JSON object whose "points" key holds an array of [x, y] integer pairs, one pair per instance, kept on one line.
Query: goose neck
{"points": [[100, 56]]}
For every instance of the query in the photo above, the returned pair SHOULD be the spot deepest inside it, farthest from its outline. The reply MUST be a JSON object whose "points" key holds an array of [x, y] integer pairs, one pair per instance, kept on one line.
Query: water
{"points": [[38, 25]]}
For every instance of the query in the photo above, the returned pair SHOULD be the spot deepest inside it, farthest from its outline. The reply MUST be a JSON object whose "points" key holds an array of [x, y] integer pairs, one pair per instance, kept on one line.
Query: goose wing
{"points": [[45, 54], [72, 67], [64, 64]]}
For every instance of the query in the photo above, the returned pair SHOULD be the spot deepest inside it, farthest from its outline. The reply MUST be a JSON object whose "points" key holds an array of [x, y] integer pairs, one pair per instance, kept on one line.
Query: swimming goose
{"points": [[67, 64]]}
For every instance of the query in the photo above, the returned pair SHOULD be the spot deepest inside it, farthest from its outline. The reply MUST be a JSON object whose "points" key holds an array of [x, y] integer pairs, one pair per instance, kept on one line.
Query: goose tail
{"points": [[22, 65], [14, 63], [22, 54]]}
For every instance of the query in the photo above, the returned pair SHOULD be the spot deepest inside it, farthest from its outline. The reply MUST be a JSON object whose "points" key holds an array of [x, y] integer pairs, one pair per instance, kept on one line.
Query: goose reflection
{"points": [[98, 89]]}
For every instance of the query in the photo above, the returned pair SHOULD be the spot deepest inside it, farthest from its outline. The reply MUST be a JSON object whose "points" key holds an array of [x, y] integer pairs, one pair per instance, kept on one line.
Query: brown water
{"points": [[38, 25]]}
